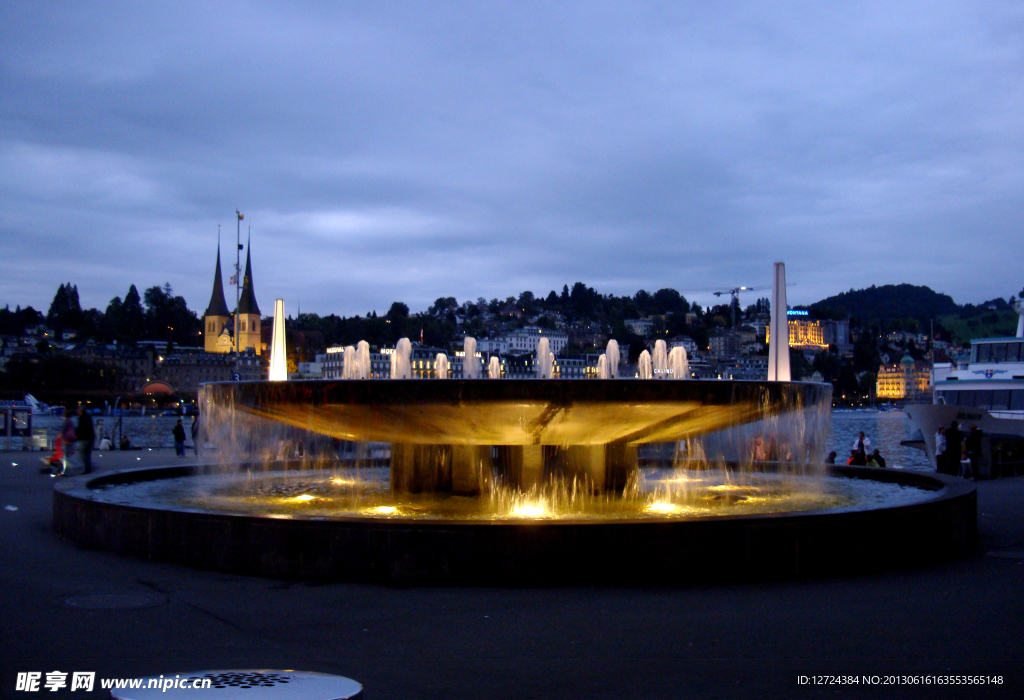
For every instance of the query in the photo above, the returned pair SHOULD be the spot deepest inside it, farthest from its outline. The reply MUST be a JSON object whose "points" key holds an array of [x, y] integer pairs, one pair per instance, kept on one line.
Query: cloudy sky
{"points": [[404, 151]]}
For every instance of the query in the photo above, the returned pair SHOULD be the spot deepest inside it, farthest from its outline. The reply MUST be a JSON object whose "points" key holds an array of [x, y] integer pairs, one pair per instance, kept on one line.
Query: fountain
{"points": [[470, 362], [644, 366], [545, 360], [520, 481], [612, 353], [401, 364], [678, 364], [494, 368], [441, 366], [659, 360]]}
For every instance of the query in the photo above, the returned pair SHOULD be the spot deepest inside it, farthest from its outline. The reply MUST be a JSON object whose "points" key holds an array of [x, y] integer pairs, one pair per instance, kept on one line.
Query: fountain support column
{"points": [[588, 462], [421, 468], [471, 469], [522, 466], [620, 462]]}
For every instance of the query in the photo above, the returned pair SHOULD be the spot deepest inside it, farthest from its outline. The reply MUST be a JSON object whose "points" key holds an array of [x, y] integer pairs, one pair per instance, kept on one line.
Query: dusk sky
{"points": [[405, 151]]}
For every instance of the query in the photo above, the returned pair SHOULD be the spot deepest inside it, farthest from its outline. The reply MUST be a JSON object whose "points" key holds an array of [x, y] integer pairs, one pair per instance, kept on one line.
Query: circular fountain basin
{"points": [[286, 521], [515, 412]]}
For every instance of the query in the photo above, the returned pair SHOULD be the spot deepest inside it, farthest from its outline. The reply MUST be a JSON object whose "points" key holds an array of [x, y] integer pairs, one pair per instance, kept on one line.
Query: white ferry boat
{"points": [[988, 391]]}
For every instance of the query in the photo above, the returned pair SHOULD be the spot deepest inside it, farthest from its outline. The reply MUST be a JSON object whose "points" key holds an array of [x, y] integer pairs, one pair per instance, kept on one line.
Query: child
{"points": [[965, 464], [55, 464]]}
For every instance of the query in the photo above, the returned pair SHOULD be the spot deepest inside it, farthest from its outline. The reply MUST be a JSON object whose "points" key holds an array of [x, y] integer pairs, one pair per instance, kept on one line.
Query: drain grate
{"points": [[246, 679], [243, 684]]}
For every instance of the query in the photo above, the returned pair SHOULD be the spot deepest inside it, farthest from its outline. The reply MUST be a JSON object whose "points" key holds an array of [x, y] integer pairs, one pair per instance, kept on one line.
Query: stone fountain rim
{"points": [[942, 488], [541, 552]]}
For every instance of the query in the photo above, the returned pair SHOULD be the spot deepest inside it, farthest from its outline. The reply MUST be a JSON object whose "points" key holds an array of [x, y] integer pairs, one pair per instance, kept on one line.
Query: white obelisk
{"points": [[778, 345], [278, 356]]}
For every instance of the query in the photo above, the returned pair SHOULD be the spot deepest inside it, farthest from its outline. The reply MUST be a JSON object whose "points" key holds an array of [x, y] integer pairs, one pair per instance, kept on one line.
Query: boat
{"points": [[987, 391], [39, 408]]}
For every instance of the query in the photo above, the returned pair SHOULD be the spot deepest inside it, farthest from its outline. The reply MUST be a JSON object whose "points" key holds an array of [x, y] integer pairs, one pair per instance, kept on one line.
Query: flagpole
{"points": [[238, 272]]}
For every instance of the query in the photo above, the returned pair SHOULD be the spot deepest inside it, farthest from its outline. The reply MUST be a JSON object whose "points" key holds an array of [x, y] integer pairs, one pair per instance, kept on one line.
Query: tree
{"points": [[65, 311], [15, 322], [667, 301], [398, 311], [525, 302], [441, 306], [134, 318], [644, 302]]}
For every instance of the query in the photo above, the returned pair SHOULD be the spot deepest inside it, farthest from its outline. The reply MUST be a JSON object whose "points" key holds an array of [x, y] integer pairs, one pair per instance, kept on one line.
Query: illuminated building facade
{"points": [[906, 380], [804, 334]]}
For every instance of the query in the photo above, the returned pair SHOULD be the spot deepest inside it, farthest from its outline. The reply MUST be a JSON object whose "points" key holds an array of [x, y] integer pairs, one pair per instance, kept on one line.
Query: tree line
{"points": [[157, 314]]}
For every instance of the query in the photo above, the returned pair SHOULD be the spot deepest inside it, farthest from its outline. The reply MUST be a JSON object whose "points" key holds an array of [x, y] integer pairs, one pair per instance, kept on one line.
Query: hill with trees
{"points": [[881, 306]]}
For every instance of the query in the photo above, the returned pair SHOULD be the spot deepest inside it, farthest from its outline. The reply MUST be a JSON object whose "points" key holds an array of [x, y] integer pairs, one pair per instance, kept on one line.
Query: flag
{"points": [[421, 335], [233, 281]]}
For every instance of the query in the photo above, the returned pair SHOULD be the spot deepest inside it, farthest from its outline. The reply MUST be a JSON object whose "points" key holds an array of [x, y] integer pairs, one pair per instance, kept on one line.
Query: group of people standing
{"points": [[179, 436], [860, 455], [956, 453], [80, 436]]}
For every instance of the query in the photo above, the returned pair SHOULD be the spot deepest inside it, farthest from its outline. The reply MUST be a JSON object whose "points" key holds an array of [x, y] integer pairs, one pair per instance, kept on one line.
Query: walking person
{"points": [[195, 434], [67, 435], [973, 445], [86, 436], [954, 443], [179, 439], [940, 450]]}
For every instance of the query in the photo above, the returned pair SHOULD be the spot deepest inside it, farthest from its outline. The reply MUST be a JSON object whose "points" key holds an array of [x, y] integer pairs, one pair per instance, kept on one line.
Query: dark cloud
{"points": [[406, 151]]}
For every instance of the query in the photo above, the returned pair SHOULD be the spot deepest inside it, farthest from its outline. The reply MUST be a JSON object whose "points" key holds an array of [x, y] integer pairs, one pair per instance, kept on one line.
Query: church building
{"points": [[220, 333]]}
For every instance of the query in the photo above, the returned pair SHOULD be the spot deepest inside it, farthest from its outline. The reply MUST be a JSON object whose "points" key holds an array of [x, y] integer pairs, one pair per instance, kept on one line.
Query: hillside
{"points": [[987, 324], [887, 303]]}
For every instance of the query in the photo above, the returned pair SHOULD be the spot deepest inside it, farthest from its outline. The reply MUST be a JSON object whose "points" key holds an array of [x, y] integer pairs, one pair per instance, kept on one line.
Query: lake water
{"points": [[886, 430], [142, 431]]}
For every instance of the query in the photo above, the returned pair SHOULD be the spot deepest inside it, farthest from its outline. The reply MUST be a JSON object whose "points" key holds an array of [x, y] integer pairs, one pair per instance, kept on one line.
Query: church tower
{"points": [[217, 315], [248, 320]]}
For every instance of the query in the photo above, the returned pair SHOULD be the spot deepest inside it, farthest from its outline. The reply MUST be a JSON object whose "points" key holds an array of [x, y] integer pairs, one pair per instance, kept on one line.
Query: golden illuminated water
{"points": [[656, 494]]}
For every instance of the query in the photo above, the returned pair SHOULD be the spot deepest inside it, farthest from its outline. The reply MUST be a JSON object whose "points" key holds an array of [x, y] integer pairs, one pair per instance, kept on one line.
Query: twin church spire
{"points": [[222, 332]]}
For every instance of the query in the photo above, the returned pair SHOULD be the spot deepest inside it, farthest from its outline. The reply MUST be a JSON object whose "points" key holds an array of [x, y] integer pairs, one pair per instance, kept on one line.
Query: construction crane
{"points": [[734, 293]]}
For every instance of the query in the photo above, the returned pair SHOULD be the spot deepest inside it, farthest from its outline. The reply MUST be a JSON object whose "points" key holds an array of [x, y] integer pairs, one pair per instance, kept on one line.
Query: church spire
{"points": [[247, 303], [218, 306]]}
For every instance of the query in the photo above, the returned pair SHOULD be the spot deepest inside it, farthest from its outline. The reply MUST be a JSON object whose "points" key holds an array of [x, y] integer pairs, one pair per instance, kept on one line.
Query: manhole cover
{"points": [[112, 601], [247, 683]]}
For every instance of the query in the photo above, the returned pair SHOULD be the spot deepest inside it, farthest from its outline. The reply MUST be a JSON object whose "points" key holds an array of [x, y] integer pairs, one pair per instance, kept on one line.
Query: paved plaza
{"points": [[747, 640]]}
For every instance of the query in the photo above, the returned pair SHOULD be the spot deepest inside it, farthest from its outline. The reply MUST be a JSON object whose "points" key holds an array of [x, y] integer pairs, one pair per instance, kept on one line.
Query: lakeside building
{"points": [[643, 327], [687, 343], [526, 339], [907, 380], [185, 371], [747, 367], [815, 335]]}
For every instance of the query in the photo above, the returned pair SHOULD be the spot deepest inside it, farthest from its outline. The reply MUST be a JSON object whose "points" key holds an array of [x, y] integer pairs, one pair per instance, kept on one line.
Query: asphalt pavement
{"points": [[62, 608]]}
